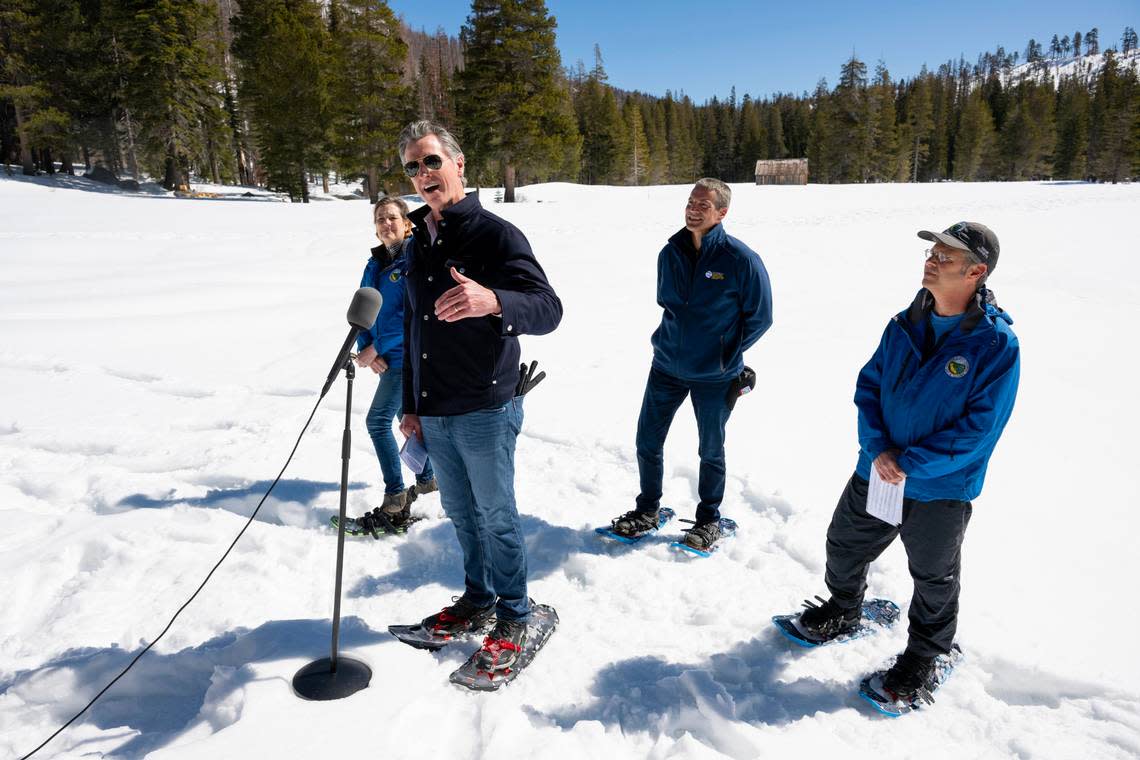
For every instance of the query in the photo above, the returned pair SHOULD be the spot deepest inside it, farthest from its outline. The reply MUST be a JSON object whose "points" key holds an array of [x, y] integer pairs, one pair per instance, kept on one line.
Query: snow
{"points": [[158, 356], [1085, 66]]}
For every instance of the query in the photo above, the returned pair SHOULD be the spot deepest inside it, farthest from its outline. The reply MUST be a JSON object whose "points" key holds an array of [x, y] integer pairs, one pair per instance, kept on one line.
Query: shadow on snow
{"points": [[164, 694], [241, 500]]}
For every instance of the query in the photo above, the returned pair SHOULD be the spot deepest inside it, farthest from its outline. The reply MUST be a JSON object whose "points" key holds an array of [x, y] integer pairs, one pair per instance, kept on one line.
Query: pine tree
{"points": [[853, 130], [1070, 158], [637, 151], [753, 138], [919, 119], [1113, 139], [1128, 40], [1092, 41], [975, 141], [174, 83], [1077, 44], [653, 112], [820, 139], [884, 158], [513, 108], [685, 155], [1028, 136], [369, 99], [774, 131], [282, 48], [602, 130]]}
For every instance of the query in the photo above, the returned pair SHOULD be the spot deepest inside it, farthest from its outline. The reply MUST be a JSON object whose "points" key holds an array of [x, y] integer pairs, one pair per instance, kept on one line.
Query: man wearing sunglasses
{"points": [[716, 302], [932, 402], [473, 286]]}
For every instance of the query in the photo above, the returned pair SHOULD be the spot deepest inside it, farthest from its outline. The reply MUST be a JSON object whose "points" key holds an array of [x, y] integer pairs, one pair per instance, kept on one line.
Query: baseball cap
{"points": [[974, 237]]}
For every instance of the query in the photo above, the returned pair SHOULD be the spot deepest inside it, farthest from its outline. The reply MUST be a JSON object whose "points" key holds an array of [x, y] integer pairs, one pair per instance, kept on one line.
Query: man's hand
{"points": [[467, 299], [887, 465], [378, 365], [410, 425], [366, 357]]}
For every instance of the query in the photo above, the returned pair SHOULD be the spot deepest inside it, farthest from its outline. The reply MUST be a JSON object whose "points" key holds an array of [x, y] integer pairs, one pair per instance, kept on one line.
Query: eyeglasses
{"points": [[938, 256], [432, 162]]}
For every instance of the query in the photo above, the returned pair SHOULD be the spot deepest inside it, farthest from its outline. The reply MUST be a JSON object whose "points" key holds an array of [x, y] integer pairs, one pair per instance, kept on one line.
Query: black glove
{"points": [[741, 384], [527, 378]]}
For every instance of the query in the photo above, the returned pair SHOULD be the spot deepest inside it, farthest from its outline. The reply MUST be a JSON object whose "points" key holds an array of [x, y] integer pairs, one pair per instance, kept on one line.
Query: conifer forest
{"points": [[284, 93]]}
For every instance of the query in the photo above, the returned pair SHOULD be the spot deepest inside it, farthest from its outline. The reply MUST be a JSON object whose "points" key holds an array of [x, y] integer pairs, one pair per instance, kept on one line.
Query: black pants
{"points": [[932, 533]]}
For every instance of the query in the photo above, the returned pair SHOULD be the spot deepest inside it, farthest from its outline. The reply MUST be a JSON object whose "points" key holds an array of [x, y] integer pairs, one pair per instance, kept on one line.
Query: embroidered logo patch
{"points": [[957, 367], [395, 276], [710, 275]]}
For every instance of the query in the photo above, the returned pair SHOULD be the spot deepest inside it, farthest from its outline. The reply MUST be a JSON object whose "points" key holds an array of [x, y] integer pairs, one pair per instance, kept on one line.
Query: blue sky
{"points": [[704, 48]]}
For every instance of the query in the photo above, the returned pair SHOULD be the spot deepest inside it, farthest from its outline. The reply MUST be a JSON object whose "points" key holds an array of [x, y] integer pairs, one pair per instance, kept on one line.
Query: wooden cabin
{"points": [[785, 171]]}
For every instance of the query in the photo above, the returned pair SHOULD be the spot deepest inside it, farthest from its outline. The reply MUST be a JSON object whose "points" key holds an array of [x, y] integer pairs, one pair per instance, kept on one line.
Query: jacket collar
{"points": [[455, 215], [386, 258], [919, 311], [711, 239]]}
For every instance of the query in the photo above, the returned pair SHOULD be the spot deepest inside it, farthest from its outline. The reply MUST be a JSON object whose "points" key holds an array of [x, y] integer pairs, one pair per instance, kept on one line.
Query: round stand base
{"points": [[317, 680]]}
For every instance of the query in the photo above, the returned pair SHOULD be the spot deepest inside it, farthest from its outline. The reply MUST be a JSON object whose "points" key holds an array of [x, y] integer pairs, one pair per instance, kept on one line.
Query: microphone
{"points": [[361, 316]]}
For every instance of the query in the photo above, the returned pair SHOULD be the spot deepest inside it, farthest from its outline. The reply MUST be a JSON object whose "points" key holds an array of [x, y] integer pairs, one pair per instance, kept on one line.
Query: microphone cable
{"points": [[146, 649]]}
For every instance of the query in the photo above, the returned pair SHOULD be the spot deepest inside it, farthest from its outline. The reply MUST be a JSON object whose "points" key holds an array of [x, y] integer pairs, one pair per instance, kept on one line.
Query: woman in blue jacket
{"points": [[381, 349]]}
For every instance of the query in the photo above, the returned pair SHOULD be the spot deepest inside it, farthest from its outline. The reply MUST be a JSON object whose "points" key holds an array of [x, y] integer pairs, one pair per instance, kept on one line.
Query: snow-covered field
{"points": [[158, 357]]}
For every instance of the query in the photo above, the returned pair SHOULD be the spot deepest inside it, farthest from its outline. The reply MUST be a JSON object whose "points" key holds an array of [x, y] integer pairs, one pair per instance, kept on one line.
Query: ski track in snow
{"points": [[146, 413]]}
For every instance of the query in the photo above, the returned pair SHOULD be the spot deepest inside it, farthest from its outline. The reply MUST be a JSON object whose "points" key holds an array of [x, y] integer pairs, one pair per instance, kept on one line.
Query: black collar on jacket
{"points": [[919, 311], [453, 216], [384, 257]]}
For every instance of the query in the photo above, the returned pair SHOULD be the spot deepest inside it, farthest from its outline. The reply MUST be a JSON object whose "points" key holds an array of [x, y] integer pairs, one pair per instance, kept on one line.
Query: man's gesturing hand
{"points": [[467, 299], [887, 465]]}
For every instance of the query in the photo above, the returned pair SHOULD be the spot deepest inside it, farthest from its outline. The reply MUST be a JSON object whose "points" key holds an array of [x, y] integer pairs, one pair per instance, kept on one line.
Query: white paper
{"points": [[414, 454], [885, 500]]}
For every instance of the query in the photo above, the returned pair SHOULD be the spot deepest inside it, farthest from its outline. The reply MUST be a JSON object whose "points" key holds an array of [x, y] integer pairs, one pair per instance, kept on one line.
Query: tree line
{"points": [[277, 93]]}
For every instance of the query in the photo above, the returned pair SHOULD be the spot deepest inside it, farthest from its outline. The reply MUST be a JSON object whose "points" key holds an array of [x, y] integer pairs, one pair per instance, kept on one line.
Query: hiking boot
{"points": [[828, 620], [502, 647], [461, 617], [702, 536], [634, 524], [421, 487], [394, 503], [908, 678]]}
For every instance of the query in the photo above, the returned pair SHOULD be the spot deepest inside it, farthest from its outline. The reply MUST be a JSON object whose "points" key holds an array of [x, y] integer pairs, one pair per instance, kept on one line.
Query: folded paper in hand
{"points": [[885, 500], [414, 454]]}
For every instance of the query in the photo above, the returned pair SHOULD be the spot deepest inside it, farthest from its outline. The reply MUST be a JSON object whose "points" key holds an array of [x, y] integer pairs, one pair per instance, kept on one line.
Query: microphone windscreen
{"points": [[364, 308]]}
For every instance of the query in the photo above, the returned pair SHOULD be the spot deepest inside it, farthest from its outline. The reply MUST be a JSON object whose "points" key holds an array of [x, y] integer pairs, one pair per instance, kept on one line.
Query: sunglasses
{"points": [[938, 256], [432, 162]]}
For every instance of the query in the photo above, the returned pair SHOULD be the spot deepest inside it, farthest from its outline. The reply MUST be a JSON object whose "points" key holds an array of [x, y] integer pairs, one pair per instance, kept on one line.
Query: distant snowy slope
{"points": [[1085, 67], [158, 357]]}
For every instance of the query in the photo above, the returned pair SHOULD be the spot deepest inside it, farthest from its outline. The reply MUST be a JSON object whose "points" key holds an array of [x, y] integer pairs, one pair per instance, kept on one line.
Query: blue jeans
{"points": [[385, 407], [474, 456], [663, 396]]}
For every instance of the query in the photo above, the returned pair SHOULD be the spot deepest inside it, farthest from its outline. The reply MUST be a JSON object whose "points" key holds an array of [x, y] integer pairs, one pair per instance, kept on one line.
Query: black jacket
{"points": [[459, 367]]}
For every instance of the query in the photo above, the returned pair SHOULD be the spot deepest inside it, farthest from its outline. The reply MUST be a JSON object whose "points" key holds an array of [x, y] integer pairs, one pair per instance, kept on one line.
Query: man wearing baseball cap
{"points": [[932, 403]]}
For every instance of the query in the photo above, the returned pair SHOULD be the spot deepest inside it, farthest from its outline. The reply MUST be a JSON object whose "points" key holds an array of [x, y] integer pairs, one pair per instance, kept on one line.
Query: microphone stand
{"points": [[336, 677]]}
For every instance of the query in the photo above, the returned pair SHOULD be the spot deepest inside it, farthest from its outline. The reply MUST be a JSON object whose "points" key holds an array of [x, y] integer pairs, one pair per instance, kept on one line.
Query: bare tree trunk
{"points": [[325, 182], [26, 160], [373, 179], [132, 156], [508, 183]]}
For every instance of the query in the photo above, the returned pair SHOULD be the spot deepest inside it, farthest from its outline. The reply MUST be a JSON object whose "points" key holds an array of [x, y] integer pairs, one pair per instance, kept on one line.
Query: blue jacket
{"points": [[387, 276], [944, 412], [471, 364], [715, 309]]}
